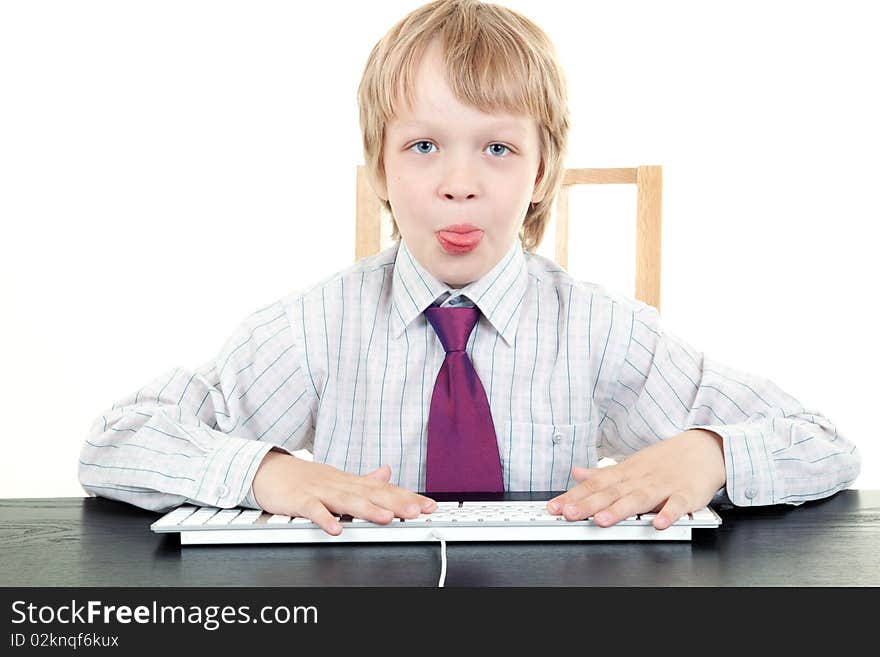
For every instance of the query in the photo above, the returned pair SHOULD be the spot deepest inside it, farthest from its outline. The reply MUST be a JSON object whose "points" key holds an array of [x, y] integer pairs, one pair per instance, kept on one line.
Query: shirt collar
{"points": [[498, 294]]}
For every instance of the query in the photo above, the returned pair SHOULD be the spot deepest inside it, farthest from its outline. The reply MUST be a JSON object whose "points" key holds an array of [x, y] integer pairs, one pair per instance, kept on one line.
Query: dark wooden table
{"points": [[99, 542]]}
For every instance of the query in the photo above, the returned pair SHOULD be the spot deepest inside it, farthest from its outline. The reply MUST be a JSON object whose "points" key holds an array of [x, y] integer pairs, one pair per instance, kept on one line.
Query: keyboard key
{"points": [[247, 517], [202, 516], [175, 517], [224, 517], [704, 515]]}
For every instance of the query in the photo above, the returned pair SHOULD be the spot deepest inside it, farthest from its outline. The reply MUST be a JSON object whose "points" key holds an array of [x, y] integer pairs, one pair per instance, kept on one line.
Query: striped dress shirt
{"points": [[346, 369]]}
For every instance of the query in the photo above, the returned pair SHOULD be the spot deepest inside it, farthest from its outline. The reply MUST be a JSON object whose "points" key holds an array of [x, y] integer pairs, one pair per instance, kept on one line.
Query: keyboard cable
{"points": [[439, 537]]}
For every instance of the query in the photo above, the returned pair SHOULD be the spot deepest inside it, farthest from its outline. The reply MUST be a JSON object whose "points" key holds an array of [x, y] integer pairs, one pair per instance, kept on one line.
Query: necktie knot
{"points": [[452, 325]]}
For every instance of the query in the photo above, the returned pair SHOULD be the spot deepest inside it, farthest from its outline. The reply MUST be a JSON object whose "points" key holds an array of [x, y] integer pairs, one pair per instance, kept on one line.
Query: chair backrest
{"points": [[649, 194]]}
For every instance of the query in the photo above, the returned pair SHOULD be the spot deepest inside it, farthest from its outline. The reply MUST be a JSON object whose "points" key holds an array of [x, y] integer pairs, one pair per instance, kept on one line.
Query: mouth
{"points": [[460, 238]]}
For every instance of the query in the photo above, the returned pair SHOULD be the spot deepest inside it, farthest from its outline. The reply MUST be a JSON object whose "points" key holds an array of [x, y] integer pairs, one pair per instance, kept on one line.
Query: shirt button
{"points": [[751, 493], [222, 490], [556, 438], [455, 301]]}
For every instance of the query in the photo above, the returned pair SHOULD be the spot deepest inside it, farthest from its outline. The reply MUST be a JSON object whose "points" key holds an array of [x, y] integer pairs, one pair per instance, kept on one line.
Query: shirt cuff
{"points": [[250, 500], [749, 481], [227, 478]]}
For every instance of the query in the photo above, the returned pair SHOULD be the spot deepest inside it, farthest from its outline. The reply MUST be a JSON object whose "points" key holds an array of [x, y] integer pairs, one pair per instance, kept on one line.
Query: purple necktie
{"points": [[462, 447]]}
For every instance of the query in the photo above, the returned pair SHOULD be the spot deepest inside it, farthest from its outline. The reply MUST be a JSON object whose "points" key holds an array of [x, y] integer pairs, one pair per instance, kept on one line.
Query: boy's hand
{"points": [[675, 476], [287, 485]]}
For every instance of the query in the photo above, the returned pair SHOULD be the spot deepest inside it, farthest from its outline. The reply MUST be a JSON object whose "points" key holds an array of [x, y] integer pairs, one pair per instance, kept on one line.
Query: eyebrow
{"points": [[497, 125]]}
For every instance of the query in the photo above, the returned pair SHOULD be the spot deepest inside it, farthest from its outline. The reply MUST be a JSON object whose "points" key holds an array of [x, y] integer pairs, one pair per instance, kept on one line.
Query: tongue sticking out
{"points": [[462, 239]]}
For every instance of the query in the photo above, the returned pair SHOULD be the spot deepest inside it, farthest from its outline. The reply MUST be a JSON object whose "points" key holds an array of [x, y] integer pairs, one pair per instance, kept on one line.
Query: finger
{"points": [[676, 506], [382, 473], [580, 473], [640, 499], [356, 503], [403, 503], [314, 510], [592, 484], [588, 507], [428, 505]]}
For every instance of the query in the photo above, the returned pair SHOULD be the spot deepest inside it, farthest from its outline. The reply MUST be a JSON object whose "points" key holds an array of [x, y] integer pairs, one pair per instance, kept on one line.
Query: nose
{"points": [[459, 181], [452, 195]]}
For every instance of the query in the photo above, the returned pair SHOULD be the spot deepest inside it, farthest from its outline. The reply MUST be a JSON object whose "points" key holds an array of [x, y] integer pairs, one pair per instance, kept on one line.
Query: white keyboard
{"points": [[451, 521]]}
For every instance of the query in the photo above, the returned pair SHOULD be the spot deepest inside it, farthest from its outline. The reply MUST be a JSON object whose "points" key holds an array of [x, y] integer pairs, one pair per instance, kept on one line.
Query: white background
{"points": [[166, 168]]}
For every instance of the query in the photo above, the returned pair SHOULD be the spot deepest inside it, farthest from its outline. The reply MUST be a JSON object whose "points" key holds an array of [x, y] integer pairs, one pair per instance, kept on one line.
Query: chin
{"points": [[459, 276]]}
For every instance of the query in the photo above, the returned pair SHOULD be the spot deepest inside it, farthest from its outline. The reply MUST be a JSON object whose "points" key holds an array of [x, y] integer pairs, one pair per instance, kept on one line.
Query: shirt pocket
{"points": [[539, 457]]}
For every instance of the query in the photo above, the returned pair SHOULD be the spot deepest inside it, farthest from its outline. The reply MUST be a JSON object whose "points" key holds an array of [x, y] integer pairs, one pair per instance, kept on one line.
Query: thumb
{"points": [[580, 474], [382, 473]]}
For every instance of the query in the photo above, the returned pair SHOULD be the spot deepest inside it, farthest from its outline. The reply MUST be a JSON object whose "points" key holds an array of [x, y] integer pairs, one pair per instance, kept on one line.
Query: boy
{"points": [[458, 359]]}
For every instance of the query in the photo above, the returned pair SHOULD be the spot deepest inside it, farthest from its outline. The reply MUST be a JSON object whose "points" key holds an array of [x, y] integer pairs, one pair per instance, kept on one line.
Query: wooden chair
{"points": [[649, 186]]}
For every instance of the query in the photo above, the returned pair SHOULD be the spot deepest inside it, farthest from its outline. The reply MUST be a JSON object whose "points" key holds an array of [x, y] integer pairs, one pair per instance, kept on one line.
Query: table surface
{"points": [[100, 542]]}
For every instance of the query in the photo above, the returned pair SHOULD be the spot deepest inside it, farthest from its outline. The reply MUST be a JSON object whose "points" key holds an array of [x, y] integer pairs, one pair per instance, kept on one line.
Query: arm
{"points": [[772, 450], [205, 437], [200, 436]]}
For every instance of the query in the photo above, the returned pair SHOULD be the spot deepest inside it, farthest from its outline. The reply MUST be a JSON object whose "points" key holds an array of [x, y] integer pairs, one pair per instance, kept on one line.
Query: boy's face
{"points": [[458, 180]]}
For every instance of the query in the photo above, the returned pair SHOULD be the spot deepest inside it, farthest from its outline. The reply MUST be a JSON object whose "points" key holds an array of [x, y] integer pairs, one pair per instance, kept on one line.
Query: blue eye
{"points": [[418, 144]]}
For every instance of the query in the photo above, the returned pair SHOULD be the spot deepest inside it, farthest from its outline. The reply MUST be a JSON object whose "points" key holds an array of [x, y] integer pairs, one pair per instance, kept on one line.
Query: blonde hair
{"points": [[494, 59]]}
